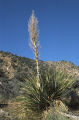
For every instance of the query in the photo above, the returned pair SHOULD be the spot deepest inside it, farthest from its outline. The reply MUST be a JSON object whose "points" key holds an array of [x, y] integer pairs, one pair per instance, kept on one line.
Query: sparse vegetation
{"points": [[54, 115], [19, 77], [54, 84]]}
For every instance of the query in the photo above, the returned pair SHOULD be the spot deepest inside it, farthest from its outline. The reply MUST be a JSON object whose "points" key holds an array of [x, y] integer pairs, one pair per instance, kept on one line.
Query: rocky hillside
{"points": [[14, 68], [12, 71], [66, 66], [11, 65]]}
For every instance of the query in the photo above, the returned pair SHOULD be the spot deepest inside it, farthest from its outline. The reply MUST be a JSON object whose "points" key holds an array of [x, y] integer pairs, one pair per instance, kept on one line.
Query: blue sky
{"points": [[58, 27]]}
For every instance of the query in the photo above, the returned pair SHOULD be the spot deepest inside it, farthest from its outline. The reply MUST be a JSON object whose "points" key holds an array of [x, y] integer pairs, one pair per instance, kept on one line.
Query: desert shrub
{"points": [[54, 115], [1, 60], [21, 76], [54, 84], [2, 73]]}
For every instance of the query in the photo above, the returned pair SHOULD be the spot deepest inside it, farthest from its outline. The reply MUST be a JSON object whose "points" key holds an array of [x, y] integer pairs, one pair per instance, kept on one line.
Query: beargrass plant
{"points": [[34, 43], [54, 85]]}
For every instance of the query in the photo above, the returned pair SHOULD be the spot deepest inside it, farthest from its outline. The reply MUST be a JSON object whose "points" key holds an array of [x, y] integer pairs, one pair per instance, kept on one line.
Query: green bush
{"points": [[54, 84]]}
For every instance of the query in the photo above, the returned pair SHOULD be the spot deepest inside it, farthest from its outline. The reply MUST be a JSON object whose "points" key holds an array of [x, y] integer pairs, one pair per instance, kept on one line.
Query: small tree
{"points": [[33, 32]]}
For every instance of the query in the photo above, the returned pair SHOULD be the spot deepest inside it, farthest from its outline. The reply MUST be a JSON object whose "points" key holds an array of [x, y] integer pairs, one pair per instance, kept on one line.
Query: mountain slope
{"points": [[14, 68]]}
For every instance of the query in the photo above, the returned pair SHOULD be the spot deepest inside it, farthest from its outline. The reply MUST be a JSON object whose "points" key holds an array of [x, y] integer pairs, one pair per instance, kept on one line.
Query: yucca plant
{"points": [[54, 84], [41, 90]]}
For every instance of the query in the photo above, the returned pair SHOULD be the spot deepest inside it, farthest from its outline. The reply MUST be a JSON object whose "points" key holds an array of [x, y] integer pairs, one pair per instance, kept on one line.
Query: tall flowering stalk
{"points": [[33, 32]]}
